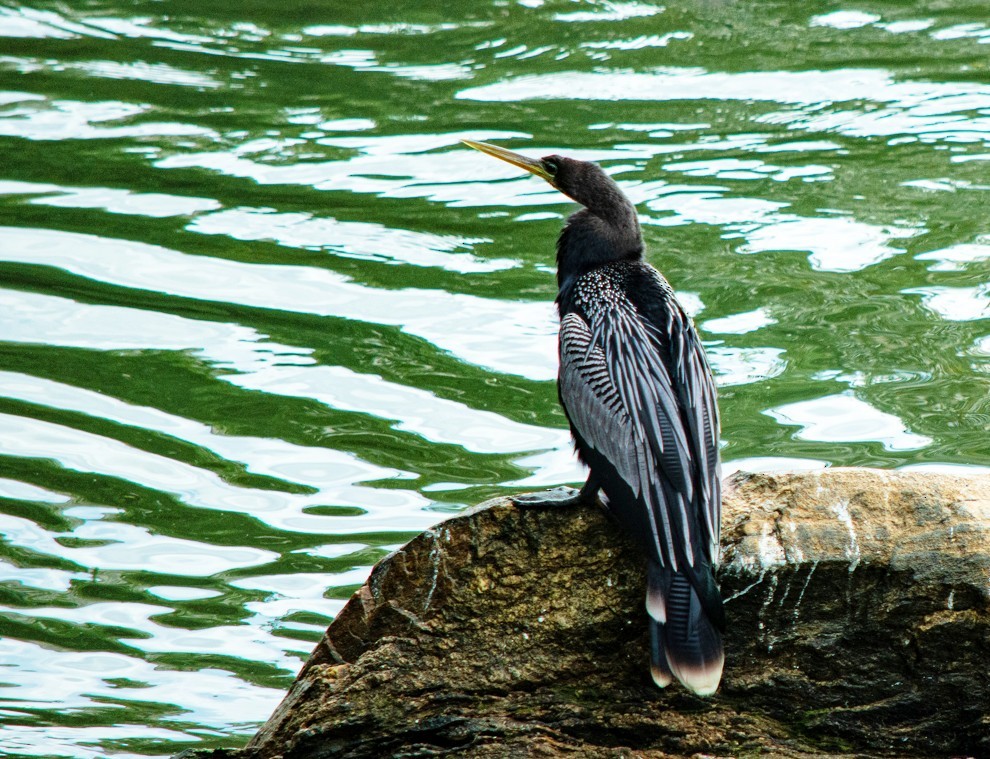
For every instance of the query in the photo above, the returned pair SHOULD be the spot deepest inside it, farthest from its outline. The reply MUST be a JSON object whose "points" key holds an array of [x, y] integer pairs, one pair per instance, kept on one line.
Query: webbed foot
{"points": [[561, 497]]}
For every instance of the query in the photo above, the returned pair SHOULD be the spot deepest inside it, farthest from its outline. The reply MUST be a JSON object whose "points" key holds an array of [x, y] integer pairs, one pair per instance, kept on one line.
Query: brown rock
{"points": [[858, 607]]}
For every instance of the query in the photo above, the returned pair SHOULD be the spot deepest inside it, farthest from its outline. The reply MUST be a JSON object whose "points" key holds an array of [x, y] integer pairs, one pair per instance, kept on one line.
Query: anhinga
{"points": [[638, 393]]}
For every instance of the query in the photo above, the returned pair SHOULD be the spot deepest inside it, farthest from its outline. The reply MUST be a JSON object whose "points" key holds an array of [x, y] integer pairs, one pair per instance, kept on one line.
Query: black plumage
{"points": [[639, 395]]}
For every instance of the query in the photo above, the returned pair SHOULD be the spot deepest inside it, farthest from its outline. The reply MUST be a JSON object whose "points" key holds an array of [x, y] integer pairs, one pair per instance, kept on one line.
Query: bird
{"points": [[639, 396]]}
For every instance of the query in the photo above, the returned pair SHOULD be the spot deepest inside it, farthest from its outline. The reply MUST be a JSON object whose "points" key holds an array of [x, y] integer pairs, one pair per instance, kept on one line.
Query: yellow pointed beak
{"points": [[531, 165]]}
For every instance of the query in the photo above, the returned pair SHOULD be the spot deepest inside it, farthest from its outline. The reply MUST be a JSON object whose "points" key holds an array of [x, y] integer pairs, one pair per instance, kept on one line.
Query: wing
{"points": [[696, 390], [641, 395]]}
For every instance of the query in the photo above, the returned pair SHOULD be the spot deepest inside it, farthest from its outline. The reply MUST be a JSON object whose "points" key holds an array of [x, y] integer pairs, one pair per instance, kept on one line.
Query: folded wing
{"points": [[641, 395]]}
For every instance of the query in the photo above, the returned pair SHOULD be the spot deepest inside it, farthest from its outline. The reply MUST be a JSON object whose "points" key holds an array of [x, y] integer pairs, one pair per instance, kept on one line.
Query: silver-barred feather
{"points": [[642, 395]]}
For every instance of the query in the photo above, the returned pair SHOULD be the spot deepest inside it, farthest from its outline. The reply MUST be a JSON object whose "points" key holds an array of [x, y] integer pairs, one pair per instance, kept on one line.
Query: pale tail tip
{"points": [[704, 680], [655, 606], [661, 676]]}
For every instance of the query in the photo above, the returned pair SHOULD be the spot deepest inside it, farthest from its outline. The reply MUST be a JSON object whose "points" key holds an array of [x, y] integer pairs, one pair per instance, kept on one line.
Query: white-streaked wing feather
{"points": [[698, 396], [623, 402]]}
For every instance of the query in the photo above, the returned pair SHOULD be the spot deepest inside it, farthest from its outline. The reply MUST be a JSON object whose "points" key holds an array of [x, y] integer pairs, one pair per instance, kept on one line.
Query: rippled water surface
{"points": [[262, 317]]}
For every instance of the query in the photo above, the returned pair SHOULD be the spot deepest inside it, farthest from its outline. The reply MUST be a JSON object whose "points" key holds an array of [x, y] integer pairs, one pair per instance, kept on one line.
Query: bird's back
{"points": [[627, 347], [640, 398]]}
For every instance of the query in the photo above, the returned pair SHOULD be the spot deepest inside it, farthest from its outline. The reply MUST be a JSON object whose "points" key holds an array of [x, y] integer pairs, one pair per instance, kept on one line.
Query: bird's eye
{"points": [[550, 166]]}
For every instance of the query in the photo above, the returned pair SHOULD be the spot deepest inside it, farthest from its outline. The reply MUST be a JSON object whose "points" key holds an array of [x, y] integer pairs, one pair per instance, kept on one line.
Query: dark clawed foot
{"points": [[556, 498]]}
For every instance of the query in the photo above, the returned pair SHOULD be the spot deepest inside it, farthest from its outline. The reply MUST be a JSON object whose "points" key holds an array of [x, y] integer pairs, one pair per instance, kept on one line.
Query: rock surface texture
{"points": [[858, 607]]}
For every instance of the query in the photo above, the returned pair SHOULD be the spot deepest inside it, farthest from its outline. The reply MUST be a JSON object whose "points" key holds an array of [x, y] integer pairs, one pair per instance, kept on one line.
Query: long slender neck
{"points": [[591, 239]]}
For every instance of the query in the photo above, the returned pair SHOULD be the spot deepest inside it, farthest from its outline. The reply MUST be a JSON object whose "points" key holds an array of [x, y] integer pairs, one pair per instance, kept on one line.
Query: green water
{"points": [[262, 318]]}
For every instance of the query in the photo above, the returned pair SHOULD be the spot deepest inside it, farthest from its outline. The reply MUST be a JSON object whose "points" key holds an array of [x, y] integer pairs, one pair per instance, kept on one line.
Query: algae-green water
{"points": [[263, 317]]}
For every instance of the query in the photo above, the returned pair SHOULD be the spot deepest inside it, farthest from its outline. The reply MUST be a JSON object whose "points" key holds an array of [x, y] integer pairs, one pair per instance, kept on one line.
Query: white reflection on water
{"points": [[638, 43], [82, 742], [156, 73], [611, 11], [417, 411], [839, 244], [22, 491], [43, 119], [333, 473], [930, 110], [955, 257], [351, 239], [982, 346], [18, 26], [294, 593], [907, 26], [182, 593], [367, 60], [245, 40], [741, 366], [154, 205], [956, 304], [739, 169], [844, 19], [126, 547], [844, 418], [341, 30], [81, 451], [332, 550], [58, 580], [28, 318], [38, 24], [76, 680], [392, 166], [972, 30], [249, 642], [321, 468], [255, 640], [137, 28], [140, 631], [672, 83], [835, 242], [13, 187], [513, 337], [740, 324]]}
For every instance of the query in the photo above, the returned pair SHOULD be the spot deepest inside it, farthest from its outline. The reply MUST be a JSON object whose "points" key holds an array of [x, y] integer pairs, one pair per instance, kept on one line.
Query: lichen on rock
{"points": [[858, 606]]}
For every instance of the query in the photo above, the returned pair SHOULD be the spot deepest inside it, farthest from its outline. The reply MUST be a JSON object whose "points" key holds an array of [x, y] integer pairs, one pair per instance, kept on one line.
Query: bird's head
{"points": [[585, 182], [605, 230]]}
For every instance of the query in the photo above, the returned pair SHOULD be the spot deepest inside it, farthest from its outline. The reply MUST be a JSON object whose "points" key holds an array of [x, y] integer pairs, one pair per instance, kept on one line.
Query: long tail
{"points": [[685, 641]]}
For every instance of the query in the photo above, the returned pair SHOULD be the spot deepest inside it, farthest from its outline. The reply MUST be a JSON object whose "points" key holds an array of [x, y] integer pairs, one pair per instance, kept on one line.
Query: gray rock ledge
{"points": [[858, 608]]}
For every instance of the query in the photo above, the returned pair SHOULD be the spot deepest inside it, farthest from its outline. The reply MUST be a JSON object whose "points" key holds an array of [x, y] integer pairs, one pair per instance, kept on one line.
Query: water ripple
{"points": [[321, 468], [37, 118], [930, 110], [844, 418], [363, 240], [414, 410], [86, 452], [513, 337], [77, 680], [957, 304]]}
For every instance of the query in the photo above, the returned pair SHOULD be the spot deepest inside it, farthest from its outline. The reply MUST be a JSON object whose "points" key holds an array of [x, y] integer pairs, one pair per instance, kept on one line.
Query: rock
{"points": [[858, 622]]}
